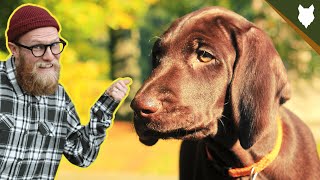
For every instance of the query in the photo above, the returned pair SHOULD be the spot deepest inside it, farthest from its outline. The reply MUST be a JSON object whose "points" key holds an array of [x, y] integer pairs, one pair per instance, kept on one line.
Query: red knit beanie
{"points": [[26, 18]]}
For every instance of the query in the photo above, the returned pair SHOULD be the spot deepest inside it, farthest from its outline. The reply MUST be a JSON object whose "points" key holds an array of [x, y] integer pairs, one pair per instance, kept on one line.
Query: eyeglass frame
{"points": [[45, 45]]}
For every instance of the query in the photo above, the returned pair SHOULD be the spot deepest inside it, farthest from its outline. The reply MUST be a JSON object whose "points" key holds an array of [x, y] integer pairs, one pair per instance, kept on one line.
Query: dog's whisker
{"points": [[223, 116], [222, 123]]}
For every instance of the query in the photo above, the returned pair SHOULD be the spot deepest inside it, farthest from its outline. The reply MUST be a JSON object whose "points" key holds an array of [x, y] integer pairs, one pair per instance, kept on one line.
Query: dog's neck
{"points": [[227, 145]]}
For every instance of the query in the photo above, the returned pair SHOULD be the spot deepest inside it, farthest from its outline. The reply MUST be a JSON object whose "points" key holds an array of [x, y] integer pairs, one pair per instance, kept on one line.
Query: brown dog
{"points": [[219, 84]]}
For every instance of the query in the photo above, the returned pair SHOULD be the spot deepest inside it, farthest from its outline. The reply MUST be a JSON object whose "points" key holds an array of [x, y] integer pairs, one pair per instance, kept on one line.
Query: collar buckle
{"points": [[253, 174]]}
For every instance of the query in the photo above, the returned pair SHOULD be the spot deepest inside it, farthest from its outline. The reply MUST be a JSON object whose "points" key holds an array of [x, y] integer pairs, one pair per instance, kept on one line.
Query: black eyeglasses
{"points": [[39, 50]]}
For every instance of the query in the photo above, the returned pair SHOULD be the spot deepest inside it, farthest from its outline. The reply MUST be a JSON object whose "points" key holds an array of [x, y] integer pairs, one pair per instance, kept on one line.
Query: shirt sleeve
{"points": [[83, 142]]}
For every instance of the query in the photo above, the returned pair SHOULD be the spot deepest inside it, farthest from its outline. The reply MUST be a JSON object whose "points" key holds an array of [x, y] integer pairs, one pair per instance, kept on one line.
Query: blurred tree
{"points": [[125, 19], [125, 52], [5, 11]]}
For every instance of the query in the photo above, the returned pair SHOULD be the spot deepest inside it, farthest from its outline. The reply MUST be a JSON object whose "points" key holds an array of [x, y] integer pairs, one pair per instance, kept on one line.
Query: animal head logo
{"points": [[306, 16]]}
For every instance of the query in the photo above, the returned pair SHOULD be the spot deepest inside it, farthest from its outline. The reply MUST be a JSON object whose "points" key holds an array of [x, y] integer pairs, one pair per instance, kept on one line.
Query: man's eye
{"points": [[38, 47], [55, 44], [204, 56]]}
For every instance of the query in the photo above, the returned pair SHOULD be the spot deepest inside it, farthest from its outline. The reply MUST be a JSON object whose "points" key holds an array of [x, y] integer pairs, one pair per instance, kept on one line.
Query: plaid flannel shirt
{"points": [[36, 130]]}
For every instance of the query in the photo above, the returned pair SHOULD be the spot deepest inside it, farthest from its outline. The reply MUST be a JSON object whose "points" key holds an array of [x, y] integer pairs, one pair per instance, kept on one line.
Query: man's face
{"points": [[38, 75]]}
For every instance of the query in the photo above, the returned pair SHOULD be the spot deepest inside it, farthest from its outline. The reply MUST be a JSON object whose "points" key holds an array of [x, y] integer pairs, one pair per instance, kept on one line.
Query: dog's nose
{"points": [[145, 106]]}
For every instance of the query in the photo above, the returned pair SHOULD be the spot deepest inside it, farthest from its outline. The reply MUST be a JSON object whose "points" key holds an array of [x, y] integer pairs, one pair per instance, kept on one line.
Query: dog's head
{"points": [[207, 61]]}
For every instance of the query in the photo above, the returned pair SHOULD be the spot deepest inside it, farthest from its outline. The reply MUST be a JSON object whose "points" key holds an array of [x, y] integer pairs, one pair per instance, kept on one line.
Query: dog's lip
{"points": [[145, 131], [175, 133], [149, 141]]}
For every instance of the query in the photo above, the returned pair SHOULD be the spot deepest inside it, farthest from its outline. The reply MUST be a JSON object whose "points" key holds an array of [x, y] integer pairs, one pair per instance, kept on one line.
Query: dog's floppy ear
{"points": [[259, 85]]}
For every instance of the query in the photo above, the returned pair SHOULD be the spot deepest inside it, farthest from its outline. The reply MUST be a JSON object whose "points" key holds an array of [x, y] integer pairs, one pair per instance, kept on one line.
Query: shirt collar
{"points": [[11, 71]]}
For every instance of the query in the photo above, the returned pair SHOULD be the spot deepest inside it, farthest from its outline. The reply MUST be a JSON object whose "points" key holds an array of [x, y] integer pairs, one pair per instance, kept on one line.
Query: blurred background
{"points": [[108, 39]]}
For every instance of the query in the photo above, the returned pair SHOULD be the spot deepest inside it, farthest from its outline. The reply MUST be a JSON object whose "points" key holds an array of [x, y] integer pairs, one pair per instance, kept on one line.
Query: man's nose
{"points": [[48, 56]]}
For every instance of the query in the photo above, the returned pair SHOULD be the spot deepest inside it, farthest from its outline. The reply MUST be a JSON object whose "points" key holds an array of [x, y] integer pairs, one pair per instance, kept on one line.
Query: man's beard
{"points": [[35, 83]]}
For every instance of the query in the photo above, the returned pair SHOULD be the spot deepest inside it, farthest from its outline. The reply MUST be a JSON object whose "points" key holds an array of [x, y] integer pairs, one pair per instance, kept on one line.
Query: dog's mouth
{"points": [[177, 133], [151, 137], [149, 133]]}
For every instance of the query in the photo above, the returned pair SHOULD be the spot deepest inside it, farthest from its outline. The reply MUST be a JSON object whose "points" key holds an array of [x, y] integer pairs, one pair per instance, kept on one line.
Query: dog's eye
{"points": [[205, 56]]}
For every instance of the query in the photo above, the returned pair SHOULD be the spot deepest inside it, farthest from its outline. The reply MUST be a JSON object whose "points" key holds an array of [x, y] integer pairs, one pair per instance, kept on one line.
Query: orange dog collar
{"points": [[259, 166]]}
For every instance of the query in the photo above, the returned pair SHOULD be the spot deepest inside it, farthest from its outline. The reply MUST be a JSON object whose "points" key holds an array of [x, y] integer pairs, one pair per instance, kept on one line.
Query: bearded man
{"points": [[38, 121]]}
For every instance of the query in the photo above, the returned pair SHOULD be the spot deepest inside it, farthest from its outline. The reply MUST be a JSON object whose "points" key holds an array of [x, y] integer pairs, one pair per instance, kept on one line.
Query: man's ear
{"points": [[13, 49]]}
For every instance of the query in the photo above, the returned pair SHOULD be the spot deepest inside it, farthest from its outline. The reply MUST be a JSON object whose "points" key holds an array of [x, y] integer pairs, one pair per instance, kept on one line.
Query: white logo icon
{"points": [[306, 16]]}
